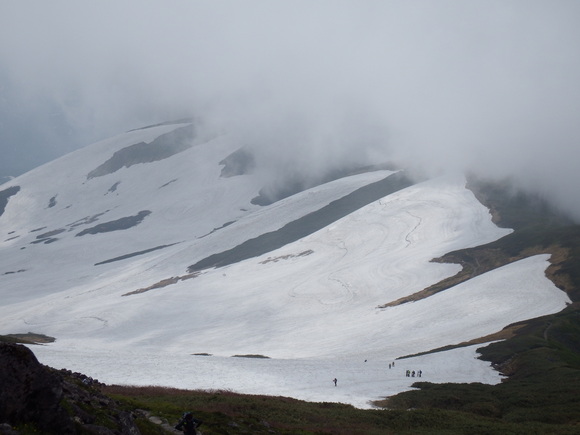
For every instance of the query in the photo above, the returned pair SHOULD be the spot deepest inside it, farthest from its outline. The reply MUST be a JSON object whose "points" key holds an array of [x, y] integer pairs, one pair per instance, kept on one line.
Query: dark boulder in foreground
{"points": [[30, 392], [34, 395]]}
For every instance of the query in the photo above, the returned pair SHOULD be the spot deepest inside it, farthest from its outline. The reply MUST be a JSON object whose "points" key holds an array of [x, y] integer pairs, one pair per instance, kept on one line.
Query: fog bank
{"points": [[487, 86]]}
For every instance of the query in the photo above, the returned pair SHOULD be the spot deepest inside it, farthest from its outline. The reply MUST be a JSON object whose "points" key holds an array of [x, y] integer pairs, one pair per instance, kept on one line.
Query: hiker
{"points": [[389, 367], [419, 373], [335, 381], [187, 424], [413, 374], [408, 373]]}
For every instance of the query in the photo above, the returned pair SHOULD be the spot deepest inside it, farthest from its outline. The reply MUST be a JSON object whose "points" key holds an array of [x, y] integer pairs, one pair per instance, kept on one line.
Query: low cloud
{"points": [[490, 87]]}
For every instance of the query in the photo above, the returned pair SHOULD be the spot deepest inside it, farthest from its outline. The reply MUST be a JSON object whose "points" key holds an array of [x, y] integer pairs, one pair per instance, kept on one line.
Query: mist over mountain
{"points": [[166, 247], [5, 179], [490, 88], [201, 181]]}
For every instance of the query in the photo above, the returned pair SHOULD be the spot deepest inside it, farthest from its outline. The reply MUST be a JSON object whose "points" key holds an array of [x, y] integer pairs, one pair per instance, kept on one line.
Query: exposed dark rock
{"points": [[217, 229], [116, 225], [87, 220], [161, 148], [305, 225], [52, 201], [275, 192], [133, 254], [14, 271], [54, 402], [113, 188], [50, 233], [45, 241], [295, 182], [168, 183], [47, 237], [251, 356], [30, 393], [5, 196], [239, 162]]}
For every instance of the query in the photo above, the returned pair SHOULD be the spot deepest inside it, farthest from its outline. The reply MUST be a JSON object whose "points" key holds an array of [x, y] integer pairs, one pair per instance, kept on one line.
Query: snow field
{"points": [[311, 306]]}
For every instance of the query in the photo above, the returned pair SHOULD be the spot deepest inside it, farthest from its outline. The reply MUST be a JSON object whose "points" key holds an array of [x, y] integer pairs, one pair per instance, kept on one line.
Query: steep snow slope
{"points": [[69, 270], [182, 199]]}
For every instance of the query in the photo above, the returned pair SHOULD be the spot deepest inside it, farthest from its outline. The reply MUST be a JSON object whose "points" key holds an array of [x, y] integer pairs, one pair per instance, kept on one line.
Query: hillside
{"points": [[159, 249]]}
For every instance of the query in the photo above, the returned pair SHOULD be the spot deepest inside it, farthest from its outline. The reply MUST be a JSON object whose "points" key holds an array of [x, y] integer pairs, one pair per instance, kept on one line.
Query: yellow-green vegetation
{"points": [[228, 413]]}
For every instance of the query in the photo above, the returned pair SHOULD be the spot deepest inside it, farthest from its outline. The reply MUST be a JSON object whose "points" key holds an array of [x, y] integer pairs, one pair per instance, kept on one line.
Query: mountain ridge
{"points": [[307, 302]]}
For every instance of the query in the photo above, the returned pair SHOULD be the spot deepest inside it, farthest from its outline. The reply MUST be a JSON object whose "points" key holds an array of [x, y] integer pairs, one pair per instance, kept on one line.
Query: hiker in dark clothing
{"points": [[187, 424], [335, 381]]}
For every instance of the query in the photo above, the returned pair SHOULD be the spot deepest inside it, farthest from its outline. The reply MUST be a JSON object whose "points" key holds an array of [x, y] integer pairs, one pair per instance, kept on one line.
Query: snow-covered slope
{"points": [[107, 250]]}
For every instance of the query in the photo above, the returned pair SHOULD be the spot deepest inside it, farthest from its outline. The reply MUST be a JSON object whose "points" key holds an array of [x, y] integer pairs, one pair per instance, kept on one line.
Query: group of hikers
{"points": [[408, 373], [188, 423]]}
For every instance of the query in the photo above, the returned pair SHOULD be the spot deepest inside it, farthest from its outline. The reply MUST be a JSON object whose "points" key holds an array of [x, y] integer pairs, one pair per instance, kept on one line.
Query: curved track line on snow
{"points": [[408, 235]]}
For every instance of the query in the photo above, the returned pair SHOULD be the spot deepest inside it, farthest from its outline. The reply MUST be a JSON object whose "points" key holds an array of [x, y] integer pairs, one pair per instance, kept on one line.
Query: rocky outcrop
{"points": [[239, 162], [30, 393], [163, 147], [54, 402], [123, 223], [5, 196]]}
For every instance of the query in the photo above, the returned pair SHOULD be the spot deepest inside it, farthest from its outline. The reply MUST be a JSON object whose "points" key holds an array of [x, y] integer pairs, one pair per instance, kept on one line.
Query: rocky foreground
{"points": [[54, 401]]}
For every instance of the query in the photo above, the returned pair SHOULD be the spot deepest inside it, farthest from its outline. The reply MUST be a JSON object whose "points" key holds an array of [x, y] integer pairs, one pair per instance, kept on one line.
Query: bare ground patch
{"points": [[506, 333], [286, 257], [164, 283], [28, 338], [475, 262]]}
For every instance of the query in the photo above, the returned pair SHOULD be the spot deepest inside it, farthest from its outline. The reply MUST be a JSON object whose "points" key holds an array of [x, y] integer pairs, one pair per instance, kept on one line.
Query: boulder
{"points": [[30, 392], [36, 395]]}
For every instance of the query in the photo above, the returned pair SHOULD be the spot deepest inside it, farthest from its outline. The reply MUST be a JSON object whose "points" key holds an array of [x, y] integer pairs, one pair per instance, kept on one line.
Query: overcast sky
{"points": [[489, 85]]}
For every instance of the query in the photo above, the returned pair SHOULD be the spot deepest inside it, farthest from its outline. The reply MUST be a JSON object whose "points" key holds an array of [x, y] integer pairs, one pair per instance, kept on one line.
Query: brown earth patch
{"points": [[506, 333], [163, 283], [479, 261], [28, 338], [286, 257]]}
